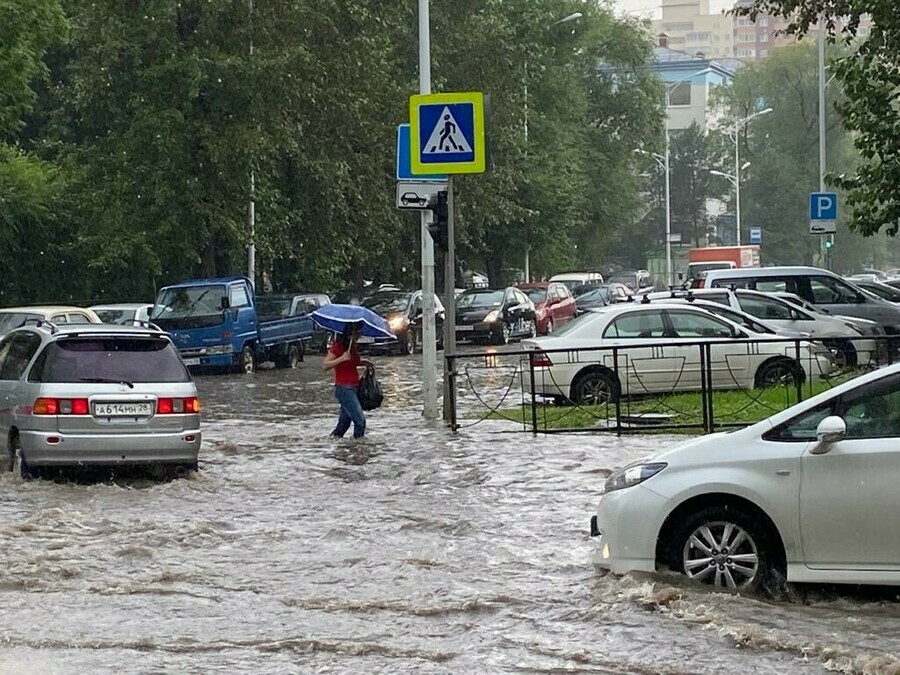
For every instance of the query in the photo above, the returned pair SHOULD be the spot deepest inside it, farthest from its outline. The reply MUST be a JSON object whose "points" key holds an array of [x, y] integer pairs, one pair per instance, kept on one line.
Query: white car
{"points": [[645, 348], [810, 493], [125, 313], [839, 334]]}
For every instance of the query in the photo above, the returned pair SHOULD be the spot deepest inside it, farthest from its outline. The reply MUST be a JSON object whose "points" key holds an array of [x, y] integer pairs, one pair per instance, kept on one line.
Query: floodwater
{"points": [[413, 551]]}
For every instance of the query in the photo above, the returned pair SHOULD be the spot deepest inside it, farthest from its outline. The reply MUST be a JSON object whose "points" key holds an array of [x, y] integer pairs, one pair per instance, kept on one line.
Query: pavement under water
{"points": [[415, 550]]}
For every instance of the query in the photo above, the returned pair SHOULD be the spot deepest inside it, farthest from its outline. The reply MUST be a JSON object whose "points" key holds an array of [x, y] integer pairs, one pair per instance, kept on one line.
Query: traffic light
{"points": [[437, 228], [829, 242]]}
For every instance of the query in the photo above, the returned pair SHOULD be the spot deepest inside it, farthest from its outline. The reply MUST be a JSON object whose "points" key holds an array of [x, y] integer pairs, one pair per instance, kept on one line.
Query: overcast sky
{"points": [[652, 7]]}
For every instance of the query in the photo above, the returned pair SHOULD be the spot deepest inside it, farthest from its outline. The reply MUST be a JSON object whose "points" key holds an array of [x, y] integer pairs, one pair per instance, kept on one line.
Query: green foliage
{"points": [[870, 76]]}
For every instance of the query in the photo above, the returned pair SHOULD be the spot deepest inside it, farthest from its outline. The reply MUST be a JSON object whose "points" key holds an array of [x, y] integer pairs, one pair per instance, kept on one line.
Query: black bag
{"points": [[369, 392]]}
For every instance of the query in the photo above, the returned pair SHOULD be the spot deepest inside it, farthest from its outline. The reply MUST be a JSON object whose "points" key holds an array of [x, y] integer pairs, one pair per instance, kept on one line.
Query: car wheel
{"points": [[549, 326], [595, 387], [844, 353], [776, 372], [723, 546], [248, 360], [412, 341], [505, 333], [16, 462], [532, 329]]}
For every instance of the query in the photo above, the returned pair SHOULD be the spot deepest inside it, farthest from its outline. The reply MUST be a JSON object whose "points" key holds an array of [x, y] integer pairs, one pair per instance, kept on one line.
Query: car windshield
{"points": [[119, 316], [272, 306], [189, 301], [11, 320], [597, 294], [536, 295], [115, 359], [471, 299], [387, 303]]}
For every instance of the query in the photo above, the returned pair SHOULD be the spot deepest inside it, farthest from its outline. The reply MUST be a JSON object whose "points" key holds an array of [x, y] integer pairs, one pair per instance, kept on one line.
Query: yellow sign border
{"points": [[478, 164]]}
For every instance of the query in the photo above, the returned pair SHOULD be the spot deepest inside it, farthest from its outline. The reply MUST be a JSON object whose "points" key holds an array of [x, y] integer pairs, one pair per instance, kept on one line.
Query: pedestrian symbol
{"points": [[446, 136], [447, 133]]}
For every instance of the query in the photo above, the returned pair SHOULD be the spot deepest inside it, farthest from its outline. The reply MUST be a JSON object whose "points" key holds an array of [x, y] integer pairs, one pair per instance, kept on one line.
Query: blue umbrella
{"points": [[335, 318]]}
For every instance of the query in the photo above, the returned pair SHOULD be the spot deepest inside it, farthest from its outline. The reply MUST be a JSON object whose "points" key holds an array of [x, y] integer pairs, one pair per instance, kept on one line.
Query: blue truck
{"points": [[215, 323]]}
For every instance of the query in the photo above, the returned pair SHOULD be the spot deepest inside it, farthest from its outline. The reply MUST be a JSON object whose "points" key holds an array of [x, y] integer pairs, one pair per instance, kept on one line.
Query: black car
{"points": [[279, 306], [494, 315], [403, 312]]}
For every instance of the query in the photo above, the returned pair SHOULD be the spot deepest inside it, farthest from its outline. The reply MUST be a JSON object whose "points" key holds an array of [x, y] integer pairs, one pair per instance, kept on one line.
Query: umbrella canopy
{"points": [[335, 318]]}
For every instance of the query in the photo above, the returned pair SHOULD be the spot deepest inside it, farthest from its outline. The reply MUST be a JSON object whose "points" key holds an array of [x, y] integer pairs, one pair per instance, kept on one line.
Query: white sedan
{"points": [[658, 349], [809, 495]]}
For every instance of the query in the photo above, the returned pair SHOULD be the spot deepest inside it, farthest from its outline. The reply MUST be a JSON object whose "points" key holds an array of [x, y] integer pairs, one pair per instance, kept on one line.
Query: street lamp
{"points": [[663, 162], [737, 169]]}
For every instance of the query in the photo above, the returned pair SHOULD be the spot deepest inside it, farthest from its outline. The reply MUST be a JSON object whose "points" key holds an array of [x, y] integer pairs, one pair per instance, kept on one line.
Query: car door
{"points": [[645, 364], [515, 312], [729, 362], [835, 295], [564, 310], [848, 493], [776, 312], [243, 315]]}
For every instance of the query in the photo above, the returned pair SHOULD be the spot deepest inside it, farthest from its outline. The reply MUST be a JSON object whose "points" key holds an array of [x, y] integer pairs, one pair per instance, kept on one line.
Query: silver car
{"points": [[95, 395]]}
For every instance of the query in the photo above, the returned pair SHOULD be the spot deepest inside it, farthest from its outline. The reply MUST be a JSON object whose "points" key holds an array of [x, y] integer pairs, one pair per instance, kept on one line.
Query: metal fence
{"points": [[700, 385]]}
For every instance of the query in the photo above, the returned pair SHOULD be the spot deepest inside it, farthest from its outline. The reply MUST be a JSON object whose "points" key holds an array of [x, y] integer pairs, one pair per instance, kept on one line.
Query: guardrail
{"points": [[703, 385]]}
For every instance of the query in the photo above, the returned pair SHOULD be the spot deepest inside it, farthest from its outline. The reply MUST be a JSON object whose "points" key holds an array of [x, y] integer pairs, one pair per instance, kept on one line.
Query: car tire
{"points": [[775, 373], [247, 363], [412, 341], [504, 335], [549, 330], [845, 353], [532, 329], [595, 386], [16, 461], [726, 547]]}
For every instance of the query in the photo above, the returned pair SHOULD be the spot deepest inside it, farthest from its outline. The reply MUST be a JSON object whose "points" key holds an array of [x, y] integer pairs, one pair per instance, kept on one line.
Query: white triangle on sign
{"points": [[446, 136]]}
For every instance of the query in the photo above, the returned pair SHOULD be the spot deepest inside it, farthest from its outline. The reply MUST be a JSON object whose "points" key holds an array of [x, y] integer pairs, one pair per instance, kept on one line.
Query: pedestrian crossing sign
{"points": [[447, 132]]}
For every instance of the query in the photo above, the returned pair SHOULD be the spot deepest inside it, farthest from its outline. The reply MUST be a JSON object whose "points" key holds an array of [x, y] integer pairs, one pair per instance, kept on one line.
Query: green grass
{"points": [[729, 408]]}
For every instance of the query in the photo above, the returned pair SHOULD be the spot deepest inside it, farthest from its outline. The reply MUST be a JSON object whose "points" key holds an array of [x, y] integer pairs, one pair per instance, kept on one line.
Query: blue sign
{"points": [[823, 206], [404, 165], [755, 235], [448, 132]]}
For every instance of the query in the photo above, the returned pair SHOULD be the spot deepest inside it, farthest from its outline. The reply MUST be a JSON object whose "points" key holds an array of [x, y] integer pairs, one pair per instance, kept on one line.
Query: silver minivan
{"points": [[817, 286], [95, 395]]}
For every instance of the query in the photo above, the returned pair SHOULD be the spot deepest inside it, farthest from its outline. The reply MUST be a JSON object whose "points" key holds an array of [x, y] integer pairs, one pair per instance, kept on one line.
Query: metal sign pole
{"points": [[429, 323], [450, 313]]}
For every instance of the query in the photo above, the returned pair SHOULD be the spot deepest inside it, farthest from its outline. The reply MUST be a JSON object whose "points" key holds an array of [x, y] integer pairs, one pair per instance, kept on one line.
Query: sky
{"points": [[652, 7]]}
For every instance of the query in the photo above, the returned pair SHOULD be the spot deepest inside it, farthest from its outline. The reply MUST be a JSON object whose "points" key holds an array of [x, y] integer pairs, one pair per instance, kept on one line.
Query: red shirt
{"points": [[345, 373]]}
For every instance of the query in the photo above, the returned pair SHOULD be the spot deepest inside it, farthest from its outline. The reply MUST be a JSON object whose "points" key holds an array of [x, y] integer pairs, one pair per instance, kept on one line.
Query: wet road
{"points": [[414, 551]]}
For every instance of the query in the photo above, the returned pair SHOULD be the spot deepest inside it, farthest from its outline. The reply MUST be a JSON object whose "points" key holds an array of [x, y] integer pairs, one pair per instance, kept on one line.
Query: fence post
{"points": [[706, 349], [451, 390], [533, 396], [798, 379], [619, 397]]}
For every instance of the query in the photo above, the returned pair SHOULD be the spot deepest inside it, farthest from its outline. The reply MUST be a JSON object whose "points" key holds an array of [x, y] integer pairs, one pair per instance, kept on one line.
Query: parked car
{"points": [[14, 317], [742, 319], [553, 303], [837, 334], [403, 312], [495, 315], [807, 495], [283, 305], [652, 360], [634, 280], [573, 279], [594, 296], [124, 314], [95, 394], [876, 287]]}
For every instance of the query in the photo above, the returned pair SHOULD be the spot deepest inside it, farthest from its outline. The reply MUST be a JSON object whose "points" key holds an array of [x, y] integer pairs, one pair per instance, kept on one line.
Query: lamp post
{"points": [[737, 169], [574, 16], [735, 180]]}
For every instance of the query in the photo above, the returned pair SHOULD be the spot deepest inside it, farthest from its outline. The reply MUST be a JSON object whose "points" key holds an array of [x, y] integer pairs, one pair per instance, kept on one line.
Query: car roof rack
{"points": [[146, 324], [40, 323]]}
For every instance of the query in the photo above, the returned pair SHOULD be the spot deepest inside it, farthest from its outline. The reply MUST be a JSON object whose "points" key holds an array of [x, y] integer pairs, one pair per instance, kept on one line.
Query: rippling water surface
{"points": [[415, 550]]}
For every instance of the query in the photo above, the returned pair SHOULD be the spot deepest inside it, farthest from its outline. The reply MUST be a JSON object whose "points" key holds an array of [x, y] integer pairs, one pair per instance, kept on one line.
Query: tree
{"points": [[690, 183], [871, 81]]}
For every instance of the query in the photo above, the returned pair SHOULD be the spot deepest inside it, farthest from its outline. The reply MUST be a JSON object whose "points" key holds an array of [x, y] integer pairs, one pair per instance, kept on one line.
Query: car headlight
{"points": [[632, 475], [396, 323], [492, 316], [855, 329], [220, 349]]}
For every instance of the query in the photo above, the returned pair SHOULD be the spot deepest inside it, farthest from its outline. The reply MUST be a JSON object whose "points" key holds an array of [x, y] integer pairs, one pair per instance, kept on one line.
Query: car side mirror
{"points": [[830, 430], [225, 303], [681, 276]]}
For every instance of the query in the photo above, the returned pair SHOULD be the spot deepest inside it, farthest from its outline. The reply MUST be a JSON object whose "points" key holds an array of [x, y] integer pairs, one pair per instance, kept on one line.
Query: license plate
{"points": [[123, 409], [459, 328], [365, 340], [191, 362]]}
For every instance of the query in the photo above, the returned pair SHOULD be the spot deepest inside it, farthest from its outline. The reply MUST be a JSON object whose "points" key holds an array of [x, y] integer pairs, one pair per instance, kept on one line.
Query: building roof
{"points": [[671, 59]]}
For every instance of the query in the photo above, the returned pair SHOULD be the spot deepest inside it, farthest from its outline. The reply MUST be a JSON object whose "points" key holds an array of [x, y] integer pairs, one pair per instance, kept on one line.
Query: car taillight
{"points": [[541, 360], [177, 406], [60, 406]]}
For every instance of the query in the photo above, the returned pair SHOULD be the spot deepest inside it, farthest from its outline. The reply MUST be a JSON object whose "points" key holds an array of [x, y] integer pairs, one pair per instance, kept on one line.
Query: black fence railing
{"points": [[700, 385]]}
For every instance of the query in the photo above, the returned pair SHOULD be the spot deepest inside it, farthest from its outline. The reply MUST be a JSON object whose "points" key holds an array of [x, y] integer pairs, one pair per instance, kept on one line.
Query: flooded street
{"points": [[416, 550]]}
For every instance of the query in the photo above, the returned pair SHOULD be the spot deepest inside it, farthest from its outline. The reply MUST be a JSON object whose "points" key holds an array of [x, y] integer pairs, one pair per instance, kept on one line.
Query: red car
{"points": [[553, 303]]}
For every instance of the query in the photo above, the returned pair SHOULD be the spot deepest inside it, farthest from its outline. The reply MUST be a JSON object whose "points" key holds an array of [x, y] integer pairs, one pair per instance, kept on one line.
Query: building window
{"points": [[681, 94], [747, 53], [748, 37], [763, 21], [764, 37], [744, 21]]}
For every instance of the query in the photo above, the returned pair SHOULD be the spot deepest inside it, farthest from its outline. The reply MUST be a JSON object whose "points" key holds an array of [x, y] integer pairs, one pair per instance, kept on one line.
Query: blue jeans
{"points": [[351, 411]]}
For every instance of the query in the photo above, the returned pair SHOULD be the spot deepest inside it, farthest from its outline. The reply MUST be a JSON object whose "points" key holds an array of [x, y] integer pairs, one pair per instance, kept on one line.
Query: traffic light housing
{"points": [[437, 228], [829, 242]]}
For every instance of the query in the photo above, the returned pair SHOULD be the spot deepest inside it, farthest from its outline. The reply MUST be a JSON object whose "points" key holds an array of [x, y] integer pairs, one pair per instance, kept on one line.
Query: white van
{"points": [[573, 279], [819, 287]]}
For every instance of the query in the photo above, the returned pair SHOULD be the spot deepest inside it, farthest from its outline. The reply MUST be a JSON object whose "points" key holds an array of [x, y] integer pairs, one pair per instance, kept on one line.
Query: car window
{"points": [[828, 291], [764, 308], [648, 324], [738, 318], [801, 428], [15, 353], [417, 305], [721, 298], [692, 325], [78, 317], [86, 359], [59, 318], [237, 296]]}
